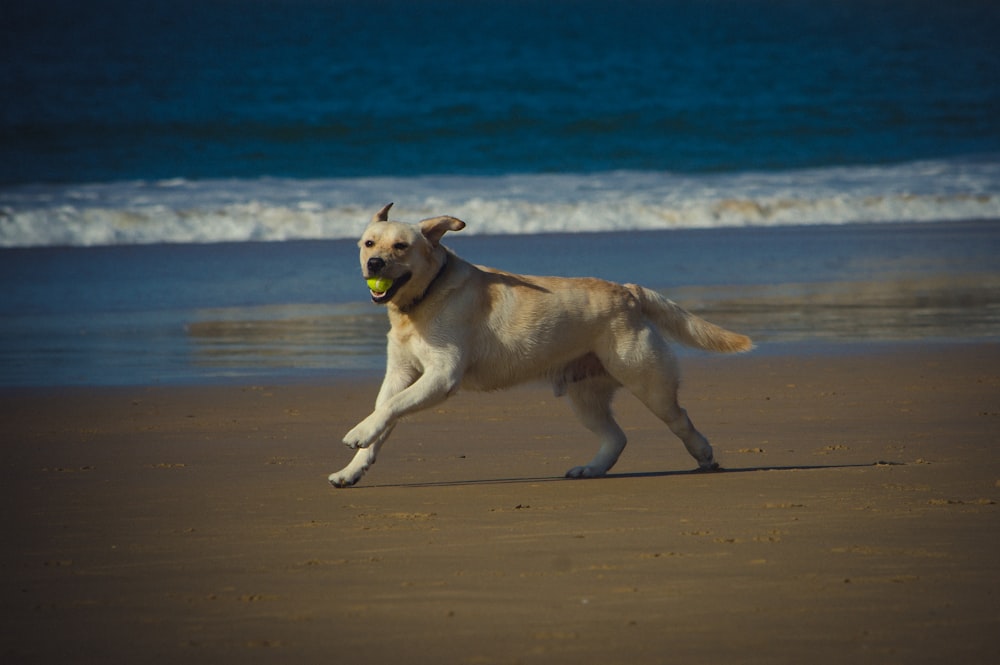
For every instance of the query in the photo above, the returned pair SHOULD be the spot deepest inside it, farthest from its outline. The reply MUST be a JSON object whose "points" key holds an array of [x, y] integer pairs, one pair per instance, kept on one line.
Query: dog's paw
{"points": [[363, 435], [709, 468], [585, 472], [344, 478]]}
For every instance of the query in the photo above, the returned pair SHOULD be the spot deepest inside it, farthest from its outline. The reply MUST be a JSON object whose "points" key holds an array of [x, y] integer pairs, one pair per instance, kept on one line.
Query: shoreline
{"points": [[177, 314], [857, 519]]}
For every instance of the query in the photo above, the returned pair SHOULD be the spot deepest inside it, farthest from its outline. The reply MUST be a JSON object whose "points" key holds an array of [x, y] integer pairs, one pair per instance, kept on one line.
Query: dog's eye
{"points": [[369, 243], [401, 246]]}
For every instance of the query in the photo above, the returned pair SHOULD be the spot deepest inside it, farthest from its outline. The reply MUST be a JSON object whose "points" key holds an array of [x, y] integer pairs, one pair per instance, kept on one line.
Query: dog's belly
{"points": [[497, 376]]}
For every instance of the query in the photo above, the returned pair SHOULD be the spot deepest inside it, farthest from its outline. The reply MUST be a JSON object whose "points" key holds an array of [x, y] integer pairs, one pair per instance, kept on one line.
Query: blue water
{"points": [[110, 90], [179, 179]]}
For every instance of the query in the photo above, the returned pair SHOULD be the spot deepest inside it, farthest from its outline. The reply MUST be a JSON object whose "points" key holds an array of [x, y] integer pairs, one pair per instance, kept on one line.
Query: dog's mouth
{"points": [[382, 297]]}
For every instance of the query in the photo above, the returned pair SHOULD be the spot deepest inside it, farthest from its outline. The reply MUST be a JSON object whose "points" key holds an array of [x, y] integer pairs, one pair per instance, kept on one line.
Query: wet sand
{"points": [[857, 521]]}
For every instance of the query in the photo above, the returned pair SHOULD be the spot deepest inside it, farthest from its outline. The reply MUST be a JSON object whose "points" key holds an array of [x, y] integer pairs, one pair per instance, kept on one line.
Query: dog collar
{"points": [[419, 299]]}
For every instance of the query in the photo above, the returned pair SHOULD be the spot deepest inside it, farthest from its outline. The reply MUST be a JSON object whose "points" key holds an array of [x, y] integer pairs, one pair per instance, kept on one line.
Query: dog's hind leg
{"points": [[654, 380], [697, 445], [591, 400]]}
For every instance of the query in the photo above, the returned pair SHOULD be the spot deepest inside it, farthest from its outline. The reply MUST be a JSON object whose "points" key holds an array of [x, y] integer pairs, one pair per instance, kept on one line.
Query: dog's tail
{"points": [[685, 327]]}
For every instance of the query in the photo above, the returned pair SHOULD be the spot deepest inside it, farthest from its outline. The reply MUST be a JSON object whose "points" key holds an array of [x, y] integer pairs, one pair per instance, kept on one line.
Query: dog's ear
{"points": [[382, 215], [435, 227]]}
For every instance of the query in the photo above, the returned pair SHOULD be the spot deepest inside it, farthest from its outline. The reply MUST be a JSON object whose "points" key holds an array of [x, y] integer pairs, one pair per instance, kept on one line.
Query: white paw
{"points": [[345, 478], [585, 472], [364, 434]]}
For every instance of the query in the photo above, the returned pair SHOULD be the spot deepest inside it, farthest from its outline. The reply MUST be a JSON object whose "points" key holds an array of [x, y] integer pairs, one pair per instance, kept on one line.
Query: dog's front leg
{"points": [[362, 460], [397, 379], [430, 389]]}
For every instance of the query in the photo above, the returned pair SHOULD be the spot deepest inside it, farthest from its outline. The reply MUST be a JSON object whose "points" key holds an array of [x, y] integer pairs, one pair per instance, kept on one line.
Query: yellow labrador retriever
{"points": [[455, 325]]}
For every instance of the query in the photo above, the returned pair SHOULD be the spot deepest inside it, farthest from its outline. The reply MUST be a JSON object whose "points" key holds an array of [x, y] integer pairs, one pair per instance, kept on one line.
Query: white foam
{"points": [[269, 209]]}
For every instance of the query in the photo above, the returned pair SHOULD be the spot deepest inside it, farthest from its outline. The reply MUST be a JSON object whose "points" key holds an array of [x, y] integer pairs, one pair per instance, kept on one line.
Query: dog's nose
{"points": [[375, 264]]}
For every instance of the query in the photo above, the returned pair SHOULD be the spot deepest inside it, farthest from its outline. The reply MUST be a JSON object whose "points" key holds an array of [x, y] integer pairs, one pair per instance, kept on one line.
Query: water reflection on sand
{"points": [[352, 336], [938, 307], [349, 336]]}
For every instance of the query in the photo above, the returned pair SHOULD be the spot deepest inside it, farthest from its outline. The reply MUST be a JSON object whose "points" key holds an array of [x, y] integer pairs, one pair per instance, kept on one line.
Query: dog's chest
{"points": [[414, 342]]}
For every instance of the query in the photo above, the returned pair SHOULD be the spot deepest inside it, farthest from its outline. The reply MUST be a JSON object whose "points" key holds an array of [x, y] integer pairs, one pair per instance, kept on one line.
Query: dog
{"points": [[458, 325]]}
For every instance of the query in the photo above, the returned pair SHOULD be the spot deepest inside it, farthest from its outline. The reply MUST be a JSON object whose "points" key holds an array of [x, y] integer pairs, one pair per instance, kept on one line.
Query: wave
{"points": [[274, 209]]}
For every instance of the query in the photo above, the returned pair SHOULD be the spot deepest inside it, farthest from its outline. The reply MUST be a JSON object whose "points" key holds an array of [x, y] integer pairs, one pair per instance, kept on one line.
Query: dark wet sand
{"points": [[857, 522]]}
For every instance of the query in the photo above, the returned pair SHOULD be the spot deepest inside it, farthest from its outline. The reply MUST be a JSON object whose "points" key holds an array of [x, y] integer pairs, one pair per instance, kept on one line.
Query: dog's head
{"points": [[408, 254]]}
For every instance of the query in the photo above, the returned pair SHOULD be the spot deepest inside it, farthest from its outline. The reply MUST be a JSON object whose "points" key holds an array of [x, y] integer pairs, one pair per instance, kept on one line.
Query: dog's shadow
{"points": [[721, 472]]}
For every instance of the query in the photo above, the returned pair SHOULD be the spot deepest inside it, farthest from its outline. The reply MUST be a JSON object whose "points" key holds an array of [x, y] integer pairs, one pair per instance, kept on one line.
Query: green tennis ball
{"points": [[379, 284]]}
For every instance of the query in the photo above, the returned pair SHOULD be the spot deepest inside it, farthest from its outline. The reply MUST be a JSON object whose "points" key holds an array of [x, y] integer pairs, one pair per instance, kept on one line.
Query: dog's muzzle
{"points": [[374, 267]]}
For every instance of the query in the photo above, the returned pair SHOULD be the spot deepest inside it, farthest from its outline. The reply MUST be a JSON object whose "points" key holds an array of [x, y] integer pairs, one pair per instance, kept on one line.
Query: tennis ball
{"points": [[379, 284]]}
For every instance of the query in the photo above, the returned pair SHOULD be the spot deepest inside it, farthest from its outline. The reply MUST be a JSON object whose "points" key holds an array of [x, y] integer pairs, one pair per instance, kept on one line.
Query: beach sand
{"points": [[857, 521]]}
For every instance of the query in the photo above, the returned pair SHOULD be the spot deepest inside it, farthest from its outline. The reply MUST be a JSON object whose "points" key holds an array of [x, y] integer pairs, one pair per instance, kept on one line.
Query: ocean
{"points": [[181, 182]]}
